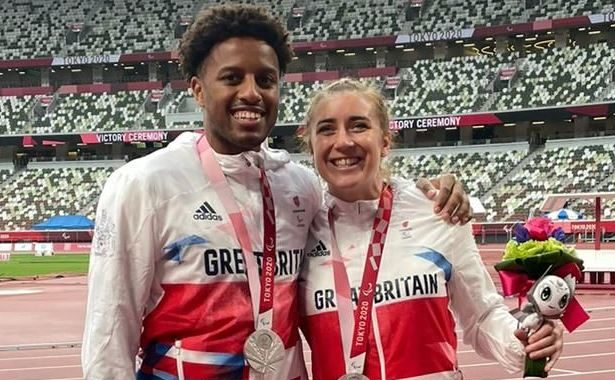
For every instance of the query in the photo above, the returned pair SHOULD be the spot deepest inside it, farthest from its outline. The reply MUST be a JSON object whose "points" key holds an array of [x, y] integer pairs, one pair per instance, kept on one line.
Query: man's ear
{"points": [[197, 91]]}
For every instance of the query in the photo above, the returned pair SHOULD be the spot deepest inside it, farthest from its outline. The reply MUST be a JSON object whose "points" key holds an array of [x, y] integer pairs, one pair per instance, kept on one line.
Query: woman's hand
{"points": [[546, 342]]}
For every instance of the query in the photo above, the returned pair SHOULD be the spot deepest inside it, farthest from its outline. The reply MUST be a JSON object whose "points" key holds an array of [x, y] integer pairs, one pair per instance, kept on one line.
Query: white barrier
{"points": [[23, 247], [43, 249], [597, 261], [598, 264]]}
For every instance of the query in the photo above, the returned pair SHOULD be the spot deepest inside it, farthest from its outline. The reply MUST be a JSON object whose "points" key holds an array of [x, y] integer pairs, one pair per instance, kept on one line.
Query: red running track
{"points": [[51, 312]]}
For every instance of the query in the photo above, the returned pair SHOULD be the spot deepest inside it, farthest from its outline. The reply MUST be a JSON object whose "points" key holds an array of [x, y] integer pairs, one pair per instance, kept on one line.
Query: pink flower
{"points": [[539, 228]]}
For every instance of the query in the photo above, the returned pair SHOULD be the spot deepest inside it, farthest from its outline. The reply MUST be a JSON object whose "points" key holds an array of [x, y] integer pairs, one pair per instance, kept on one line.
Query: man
{"points": [[181, 234]]}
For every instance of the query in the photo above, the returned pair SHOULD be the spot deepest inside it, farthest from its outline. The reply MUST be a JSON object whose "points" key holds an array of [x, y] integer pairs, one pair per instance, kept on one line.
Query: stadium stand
{"points": [[479, 169], [446, 87], [511, 183], [278, 8], [510, 180], [122, 26], [587, 207], [556, 169], [459, 14], [36, 194], [45, 35], [99, 112], [14, 113], [573, 75], [93, 112], [295, 96], [4, 175], [442, 15], [563, 8], [69, 113], [332, 20]]}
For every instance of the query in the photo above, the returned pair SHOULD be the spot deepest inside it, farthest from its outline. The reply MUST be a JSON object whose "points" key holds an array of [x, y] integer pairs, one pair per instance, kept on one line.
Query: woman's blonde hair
{"points": [[373, 95], [346, 85]]}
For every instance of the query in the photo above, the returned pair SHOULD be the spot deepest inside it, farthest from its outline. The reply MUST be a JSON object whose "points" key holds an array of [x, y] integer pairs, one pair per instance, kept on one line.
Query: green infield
{"points": [[28, 265]]}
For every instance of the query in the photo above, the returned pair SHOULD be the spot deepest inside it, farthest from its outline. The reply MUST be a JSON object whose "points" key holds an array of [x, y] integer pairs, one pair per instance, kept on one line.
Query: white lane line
{"points": [[603, 308], [593, 330], [588, 341], [40, 357], [565, 345], [572, 374], [37, 368], [492, 363], [19, 292], [600, 319], [40, 346], [565, 371]]}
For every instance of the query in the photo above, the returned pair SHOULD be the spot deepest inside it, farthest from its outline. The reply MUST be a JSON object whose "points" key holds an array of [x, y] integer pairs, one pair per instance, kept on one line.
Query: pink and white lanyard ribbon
{"points": [[262, 305], [355, 349]]}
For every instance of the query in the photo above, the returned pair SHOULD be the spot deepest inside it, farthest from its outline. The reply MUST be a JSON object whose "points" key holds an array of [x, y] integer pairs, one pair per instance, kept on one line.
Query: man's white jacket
{"points": [[167, 273]]}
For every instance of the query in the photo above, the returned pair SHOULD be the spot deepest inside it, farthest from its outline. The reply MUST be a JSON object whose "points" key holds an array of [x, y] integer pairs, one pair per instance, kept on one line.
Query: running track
{"points": [[51, 312]]}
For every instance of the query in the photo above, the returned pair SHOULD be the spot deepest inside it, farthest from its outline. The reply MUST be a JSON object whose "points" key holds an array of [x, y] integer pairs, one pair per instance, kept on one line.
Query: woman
{"points": [[378, 245]]}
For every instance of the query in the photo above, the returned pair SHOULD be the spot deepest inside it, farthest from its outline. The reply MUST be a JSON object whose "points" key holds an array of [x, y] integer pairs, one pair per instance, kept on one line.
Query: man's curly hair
{"points": [[219, 23]]}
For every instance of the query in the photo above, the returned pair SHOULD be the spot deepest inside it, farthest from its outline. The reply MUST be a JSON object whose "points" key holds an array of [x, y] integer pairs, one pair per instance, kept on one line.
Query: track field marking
{"points": [[566, 343], [572, 374], [565, 371], [603, 308], [19, 292], [39, 346], [600, 319], [40, 357], [491, 363], [37, 368], [592, 330], [589, 341]]}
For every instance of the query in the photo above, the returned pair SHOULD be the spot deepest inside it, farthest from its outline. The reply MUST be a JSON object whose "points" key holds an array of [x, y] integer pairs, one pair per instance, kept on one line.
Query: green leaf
{"points": [[535, 266]]}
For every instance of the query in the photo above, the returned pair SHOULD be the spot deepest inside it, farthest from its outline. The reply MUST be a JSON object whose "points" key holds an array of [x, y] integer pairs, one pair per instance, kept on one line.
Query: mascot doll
{"points": [[539, 267]]}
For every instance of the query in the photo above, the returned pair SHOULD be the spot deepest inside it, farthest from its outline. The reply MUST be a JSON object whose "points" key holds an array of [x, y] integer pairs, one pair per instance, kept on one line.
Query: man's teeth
{"points": [[345, 162], [246, 115]]}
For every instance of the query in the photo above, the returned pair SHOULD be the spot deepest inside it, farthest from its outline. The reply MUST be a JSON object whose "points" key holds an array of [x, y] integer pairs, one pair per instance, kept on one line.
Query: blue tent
{"points": [[564, 214], [65, 222]]}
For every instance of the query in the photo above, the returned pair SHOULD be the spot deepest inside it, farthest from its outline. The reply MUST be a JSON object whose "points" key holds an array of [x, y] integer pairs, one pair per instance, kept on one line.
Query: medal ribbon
{"points": [[355, 349], [262, 307]]}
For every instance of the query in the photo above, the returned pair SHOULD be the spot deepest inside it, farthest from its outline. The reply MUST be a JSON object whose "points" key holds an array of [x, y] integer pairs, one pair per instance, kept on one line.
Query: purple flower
{"points": [[559, 234], [521, 234]]}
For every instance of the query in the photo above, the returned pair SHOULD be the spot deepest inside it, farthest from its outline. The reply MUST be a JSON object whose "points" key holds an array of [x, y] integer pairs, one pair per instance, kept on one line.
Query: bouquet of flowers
{"points": [[538, 265]]}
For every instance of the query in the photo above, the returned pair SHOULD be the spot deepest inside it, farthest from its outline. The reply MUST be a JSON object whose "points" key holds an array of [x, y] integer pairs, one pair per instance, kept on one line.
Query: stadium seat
{"points": [[37, 194]]}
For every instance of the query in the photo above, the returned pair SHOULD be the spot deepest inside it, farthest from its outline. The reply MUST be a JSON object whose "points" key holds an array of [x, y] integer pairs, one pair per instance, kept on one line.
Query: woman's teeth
{"points": [[345, 162]]}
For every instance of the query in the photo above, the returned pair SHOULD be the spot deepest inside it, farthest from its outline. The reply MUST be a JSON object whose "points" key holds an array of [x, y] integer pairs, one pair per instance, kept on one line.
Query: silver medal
{"points": [[264, 351], [353, 376]]}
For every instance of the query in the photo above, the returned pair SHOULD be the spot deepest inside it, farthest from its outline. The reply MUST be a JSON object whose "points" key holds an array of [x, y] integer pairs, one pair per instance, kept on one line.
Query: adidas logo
{"points": [[206, 212], [319, 251]]}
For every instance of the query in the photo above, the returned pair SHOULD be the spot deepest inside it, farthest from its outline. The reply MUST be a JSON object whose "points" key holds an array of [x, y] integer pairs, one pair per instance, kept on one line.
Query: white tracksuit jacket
{"points": [[166, 268], [430, 271]]}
